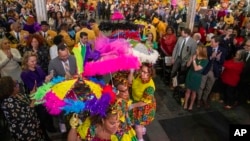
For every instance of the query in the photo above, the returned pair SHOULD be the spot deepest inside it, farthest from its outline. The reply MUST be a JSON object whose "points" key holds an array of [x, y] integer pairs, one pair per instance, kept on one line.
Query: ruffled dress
{"points": [[126, 132], [143, 92]]}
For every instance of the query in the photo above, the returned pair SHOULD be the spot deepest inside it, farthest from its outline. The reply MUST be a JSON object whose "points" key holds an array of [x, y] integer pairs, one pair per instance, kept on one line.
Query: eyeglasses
{"points": [[144, 72], [123, 91]]}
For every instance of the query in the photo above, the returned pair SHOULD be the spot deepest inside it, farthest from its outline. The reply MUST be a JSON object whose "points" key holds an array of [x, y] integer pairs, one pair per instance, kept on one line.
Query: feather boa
{"points": [[73, 106], [95, 88], [42, 90], [98, 81], [98, 106], [148, 56], [53, 103], [102, 67], [58, 97]]}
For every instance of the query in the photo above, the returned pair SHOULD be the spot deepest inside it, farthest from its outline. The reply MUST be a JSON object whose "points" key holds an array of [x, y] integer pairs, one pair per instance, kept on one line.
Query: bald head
{"points": [[197, 36]]}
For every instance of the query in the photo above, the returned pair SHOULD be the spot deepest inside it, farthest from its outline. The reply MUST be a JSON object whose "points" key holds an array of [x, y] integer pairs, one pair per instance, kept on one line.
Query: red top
{"points": [[221, 13], [202, 31], [168, 43], [231, 73], [91, 8], [239, 40]]}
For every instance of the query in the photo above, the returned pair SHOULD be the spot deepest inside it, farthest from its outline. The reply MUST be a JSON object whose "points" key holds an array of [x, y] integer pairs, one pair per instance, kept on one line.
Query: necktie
{"points": [[44, 35], [17, 36], [66, 66], [248, 56], [183, 45]]}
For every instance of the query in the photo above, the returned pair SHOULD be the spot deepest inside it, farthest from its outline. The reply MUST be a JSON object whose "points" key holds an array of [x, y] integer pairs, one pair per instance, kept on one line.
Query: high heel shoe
{"points": [[190, 109]]}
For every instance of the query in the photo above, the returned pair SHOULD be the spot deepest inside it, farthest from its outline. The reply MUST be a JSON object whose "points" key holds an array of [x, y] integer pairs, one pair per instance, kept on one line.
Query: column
{"points": [[191, 14], [41, 11]]}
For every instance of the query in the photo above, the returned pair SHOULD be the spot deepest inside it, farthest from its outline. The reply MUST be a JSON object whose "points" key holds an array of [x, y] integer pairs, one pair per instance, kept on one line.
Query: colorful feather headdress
{"points": [[75, 96]]}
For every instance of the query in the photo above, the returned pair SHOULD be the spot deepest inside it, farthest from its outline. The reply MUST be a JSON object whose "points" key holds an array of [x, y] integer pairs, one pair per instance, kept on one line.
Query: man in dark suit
{"points": [[244, 84], [64, 64], [216, 56], [227, 42], [183, 50]]}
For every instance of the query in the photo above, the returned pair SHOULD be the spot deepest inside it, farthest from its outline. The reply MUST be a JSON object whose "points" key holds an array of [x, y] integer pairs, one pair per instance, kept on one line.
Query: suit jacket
{"points": [[187, 51], [50, 37], [217, 64], [22, 38], [67, 39], [245, 77], [56, 65]]}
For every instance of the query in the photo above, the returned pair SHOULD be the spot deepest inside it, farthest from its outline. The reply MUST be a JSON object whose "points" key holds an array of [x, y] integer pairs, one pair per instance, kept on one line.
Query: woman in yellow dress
{"points": [[144, 103]]}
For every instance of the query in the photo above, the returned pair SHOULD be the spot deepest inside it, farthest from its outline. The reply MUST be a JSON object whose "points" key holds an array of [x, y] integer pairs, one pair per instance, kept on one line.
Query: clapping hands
{"points": [[9, 54], [218, 56]]}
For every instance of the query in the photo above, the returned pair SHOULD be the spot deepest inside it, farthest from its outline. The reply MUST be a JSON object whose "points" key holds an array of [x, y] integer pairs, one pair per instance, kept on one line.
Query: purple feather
{"points": [[37, 27], [100, 106]]}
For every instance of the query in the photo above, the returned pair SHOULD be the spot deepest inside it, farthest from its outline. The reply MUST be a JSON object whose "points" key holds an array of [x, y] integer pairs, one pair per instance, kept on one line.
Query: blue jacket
{"points": [[217, 64]]}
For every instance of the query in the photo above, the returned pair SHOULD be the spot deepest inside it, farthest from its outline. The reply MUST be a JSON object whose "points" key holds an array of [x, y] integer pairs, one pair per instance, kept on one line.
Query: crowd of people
{"points": [[212, 57]]}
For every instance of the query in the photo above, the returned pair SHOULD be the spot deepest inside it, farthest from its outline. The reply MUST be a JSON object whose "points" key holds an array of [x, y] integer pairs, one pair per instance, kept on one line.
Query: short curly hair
{"points": [[6, 86], [120, 78]]}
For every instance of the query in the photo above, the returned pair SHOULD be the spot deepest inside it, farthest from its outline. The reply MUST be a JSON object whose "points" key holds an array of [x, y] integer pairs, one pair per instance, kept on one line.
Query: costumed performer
{"points": [[150, 42], [95, 128], [112, 53], [145, 51], [126, 132], [144, 103], [160, 27], [149, 28]]}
